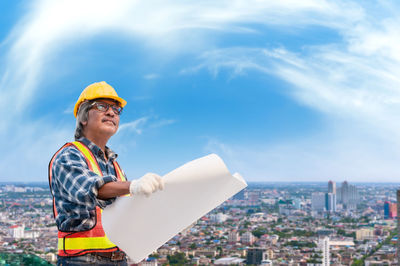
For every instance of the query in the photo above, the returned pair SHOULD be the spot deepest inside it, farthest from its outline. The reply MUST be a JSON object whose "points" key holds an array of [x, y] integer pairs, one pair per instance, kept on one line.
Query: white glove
{"points": [[146, 185]]}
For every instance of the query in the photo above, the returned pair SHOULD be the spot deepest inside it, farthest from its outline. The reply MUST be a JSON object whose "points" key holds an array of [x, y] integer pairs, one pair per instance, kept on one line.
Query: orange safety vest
{"points": [[94, 239]]}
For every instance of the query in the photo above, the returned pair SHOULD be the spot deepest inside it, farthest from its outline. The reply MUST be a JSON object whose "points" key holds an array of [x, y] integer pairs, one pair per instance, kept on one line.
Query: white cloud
{"points": [[139, 125], [342, 84], [51, 26], [216, 146], [163, 123], [355, 83], [69, 110], [135, 126], [151, 76]]}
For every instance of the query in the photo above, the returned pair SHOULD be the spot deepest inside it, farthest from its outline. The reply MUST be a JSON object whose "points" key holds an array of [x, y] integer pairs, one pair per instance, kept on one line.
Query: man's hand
{"points": [[146, 185]]}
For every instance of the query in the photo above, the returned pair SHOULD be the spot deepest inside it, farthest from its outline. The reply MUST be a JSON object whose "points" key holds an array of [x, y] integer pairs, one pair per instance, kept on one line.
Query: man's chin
{"points": [[109, 130]]}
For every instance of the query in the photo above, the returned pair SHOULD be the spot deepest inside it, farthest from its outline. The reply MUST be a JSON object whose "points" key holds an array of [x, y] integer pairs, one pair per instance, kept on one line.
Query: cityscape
{"points": [[265, 224]]}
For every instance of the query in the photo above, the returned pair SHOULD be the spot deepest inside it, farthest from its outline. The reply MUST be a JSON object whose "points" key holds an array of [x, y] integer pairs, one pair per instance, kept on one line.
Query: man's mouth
{"points": [[107, 120]]}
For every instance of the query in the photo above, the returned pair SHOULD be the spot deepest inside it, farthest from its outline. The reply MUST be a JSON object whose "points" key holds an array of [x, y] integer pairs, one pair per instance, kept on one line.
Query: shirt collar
{"points": [[111, 155]]}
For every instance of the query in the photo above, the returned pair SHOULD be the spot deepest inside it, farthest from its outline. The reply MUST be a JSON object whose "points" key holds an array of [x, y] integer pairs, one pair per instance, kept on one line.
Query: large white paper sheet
{"points": [[139, 225]]}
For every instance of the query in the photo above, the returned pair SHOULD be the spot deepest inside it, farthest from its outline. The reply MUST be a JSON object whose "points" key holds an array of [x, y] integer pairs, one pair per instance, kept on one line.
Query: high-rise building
{"points": [[389, 210], [348, 195], [255, 256], [233, 236], [332, 187], [330, 202], [247, 238], [364, 233], [218, 218], [386, 209], [253, 197], [324, 246], [285, 207], [16, 231], [353, 197], [392, 210], [318, 201], [297, 203], [344, 193]]}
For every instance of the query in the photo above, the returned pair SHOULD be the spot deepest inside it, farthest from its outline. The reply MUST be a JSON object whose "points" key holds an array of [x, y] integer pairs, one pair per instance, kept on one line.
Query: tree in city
{"points": [[246, 224], [177, 259], [259, 231], [220, 251]]}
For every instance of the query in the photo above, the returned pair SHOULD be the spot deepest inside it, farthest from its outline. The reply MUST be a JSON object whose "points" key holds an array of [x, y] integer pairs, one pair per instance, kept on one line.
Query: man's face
{"points": [[100, 122]]}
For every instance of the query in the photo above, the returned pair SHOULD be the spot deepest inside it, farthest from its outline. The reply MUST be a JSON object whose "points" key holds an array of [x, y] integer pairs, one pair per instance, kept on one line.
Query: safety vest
{"points": [[94, 239]]}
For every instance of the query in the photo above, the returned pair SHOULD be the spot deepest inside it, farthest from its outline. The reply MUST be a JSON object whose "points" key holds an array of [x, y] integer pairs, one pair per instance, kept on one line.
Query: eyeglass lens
{"points": [[103, 107]]}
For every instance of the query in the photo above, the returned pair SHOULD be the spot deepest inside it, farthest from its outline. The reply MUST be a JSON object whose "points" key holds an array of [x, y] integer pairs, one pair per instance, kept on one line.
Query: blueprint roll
{"points": [[139, 225]]}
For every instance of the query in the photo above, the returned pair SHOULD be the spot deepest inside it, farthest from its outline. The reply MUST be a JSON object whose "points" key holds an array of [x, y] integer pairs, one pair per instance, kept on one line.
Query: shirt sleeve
{"points": [[76, 183]]}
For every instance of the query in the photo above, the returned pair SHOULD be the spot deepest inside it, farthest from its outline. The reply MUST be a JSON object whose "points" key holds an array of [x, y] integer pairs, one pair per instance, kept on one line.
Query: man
{"points": [[84, 178]]}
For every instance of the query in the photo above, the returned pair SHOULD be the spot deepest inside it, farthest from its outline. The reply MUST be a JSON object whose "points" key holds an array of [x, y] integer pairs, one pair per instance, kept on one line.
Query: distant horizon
{"points": [[249, 182]]}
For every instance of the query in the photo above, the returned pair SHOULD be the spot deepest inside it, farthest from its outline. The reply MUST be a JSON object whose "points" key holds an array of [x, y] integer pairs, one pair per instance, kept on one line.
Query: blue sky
{"points": [[281, 91]]}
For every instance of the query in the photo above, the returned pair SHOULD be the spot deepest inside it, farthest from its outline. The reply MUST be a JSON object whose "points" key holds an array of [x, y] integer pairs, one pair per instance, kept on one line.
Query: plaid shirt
{"points": [[75, 187]]}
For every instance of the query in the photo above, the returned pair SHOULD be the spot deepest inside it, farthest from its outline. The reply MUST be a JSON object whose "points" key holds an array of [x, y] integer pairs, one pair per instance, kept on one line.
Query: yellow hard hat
{"points": [[98, 90]]}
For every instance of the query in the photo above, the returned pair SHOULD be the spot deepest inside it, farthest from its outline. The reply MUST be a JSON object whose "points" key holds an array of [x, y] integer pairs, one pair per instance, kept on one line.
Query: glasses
{"points": [[103, 107]]}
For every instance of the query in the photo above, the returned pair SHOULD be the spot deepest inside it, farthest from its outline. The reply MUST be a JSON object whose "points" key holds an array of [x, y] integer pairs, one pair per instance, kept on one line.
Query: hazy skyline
{"points": [[282, 91]]}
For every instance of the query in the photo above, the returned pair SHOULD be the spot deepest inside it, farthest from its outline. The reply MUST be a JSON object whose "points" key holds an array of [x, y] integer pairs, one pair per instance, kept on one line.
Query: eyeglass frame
{"points": [[113, 107]]}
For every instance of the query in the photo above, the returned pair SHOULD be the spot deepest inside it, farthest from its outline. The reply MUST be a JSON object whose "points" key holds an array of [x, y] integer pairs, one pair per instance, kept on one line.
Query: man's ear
{"points": [[84, 123]]}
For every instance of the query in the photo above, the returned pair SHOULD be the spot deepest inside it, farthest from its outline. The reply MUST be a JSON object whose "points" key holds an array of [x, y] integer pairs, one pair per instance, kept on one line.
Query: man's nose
{"points": [[110, 112]]}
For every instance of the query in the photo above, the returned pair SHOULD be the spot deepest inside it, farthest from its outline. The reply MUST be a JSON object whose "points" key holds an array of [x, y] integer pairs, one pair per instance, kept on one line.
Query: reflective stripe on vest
{"points": [[79, 243]]}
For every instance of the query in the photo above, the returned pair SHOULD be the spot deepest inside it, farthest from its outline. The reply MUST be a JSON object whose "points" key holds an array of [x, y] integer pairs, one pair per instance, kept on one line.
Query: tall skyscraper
{"points": [[324, 246], [386, 209], [332, 187], [330, 202], [392, 210], [318, 201], [330, 197], [348, 195], [344, 192]]}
